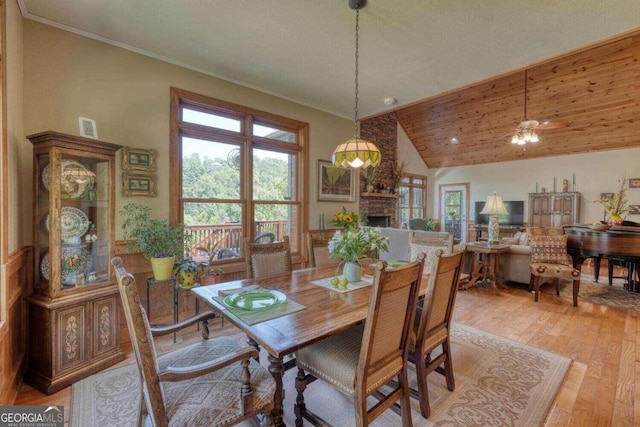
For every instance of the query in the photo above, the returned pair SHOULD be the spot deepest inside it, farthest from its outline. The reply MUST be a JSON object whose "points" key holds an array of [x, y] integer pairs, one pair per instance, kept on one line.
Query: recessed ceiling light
{"points": [[390, 101], [454, 140]]}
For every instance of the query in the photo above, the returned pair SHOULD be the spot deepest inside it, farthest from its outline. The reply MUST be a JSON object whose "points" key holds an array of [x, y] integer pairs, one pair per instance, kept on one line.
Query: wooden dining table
{"points": [[327, 312]]}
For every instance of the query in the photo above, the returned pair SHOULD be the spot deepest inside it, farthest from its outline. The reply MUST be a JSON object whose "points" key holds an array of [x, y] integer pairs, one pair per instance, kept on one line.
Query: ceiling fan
{"points": [[527, 130]]}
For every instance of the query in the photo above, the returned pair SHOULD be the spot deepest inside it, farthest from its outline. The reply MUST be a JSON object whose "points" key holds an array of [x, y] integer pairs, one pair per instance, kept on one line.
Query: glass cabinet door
{"points": [[73, 237]]}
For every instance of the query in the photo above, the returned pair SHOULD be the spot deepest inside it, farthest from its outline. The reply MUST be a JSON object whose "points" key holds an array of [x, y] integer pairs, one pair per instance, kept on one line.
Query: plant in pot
{"points": [[157, 239], [209, 275], [186, 271]]}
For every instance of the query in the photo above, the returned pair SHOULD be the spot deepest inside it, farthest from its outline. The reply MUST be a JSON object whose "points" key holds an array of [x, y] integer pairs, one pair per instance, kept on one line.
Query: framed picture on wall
{"points": [[335, 184], [634, 209], [88, 127], [138, 184], [634, 182], [138, 159]]}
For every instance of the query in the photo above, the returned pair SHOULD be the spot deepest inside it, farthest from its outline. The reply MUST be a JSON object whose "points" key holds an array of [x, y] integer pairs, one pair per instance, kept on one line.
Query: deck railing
{"points": [[229, 235]]}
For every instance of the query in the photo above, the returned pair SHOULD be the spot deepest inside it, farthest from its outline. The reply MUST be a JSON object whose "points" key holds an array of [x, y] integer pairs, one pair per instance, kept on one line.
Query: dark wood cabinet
{"points": [[74, 311]]}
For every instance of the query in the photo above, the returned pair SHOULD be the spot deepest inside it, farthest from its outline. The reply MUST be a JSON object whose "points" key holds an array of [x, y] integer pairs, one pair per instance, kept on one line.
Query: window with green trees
{"points": [[236, 173]]}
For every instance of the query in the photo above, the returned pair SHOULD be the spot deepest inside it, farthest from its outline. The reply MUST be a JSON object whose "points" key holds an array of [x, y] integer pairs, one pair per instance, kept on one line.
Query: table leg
{"points": [[475, 272], [276, 367], [497, 285]]}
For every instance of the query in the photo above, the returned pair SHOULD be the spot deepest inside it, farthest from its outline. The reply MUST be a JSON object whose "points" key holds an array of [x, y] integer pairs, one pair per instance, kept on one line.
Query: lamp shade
{"points": [[494, 206], [356, 153]]}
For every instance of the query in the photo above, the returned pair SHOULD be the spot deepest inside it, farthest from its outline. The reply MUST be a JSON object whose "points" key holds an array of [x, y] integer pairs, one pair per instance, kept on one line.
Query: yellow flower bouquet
{"points": [[348, 220]]}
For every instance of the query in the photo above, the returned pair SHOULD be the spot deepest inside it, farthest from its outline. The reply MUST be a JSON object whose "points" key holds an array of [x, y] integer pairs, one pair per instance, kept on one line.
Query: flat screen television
{"points": [[515, 217]]}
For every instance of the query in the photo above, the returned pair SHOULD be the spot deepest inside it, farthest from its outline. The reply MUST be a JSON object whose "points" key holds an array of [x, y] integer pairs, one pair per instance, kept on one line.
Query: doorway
{"points": [[454, 211]]}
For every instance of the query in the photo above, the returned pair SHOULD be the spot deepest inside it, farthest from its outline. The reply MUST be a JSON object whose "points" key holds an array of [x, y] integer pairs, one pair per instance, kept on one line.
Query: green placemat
{"points": [[252, 317]]}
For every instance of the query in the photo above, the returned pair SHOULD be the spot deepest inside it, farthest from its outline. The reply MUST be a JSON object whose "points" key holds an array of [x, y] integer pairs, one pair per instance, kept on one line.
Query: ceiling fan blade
{"points": [[548, 125]]}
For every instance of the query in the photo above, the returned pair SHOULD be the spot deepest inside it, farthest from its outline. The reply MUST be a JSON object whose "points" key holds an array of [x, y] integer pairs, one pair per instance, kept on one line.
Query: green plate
{"points": [[258, 299], [394, 264]]}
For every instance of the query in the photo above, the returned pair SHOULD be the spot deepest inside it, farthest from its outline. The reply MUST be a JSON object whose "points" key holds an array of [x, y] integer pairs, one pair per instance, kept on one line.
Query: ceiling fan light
{"points": [[514, 138], [534, 137]]}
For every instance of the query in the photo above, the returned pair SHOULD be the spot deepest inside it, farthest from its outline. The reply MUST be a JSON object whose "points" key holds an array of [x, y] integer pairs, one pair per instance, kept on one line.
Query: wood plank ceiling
{"points": [[595, 92]]}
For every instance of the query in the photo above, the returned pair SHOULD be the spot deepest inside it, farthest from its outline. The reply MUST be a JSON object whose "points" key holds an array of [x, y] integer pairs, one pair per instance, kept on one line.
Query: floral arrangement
{"points": [[345, 219], [352, 244], [617, 204], [370, 175]]}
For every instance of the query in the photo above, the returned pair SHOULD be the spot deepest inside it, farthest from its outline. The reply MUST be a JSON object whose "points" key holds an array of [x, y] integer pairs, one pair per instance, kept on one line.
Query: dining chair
{"points": [[361, 360], [318, 252], [213, 382], [266, 259], [432, 326], [550, 260]]}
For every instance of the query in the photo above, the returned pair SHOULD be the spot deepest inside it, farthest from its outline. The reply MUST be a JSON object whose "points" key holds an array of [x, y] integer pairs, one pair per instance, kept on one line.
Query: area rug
{"points": [[602, 293], [499, 382]]}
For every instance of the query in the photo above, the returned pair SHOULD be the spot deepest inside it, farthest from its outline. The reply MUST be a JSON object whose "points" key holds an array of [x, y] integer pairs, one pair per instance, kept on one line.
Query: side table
{"points": [[486, 262], [176, 305]]}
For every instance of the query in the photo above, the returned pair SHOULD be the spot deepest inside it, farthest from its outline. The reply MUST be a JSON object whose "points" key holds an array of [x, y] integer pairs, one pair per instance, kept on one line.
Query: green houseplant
{"points": [[209, 275], [186, 271], [157, 239]]}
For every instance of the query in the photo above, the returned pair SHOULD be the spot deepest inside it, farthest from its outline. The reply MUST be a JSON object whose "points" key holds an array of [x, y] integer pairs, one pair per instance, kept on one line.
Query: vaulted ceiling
{"points": [[594, 93], [410, 50]]}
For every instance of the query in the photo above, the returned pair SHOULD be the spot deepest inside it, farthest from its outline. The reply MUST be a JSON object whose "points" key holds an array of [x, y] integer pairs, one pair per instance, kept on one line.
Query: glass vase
{"points": [[352, 271]]}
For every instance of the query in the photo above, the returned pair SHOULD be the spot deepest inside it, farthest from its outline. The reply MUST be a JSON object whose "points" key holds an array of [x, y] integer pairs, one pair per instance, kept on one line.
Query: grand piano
{"points": [[619, 241]]}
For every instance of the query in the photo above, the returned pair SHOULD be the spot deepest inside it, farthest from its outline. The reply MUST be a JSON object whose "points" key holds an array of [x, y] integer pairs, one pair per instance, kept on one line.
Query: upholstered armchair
{"points": [[550, 261]]}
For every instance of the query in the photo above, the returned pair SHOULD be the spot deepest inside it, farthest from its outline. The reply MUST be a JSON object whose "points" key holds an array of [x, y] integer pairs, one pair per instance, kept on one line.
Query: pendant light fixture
{"points": [[356, 152]]}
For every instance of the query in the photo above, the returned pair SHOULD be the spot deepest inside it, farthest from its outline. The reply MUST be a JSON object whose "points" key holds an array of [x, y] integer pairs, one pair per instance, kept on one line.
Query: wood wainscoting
{"points": [[16, 284]]}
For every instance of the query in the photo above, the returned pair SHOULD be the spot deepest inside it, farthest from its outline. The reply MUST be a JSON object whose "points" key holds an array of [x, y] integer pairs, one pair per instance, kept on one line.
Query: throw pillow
{"points": [[548, 249], [523, 239]]}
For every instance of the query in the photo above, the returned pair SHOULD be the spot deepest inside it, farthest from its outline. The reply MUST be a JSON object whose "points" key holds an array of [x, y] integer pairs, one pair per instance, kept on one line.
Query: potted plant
{"points": [[186, 271], [370, 176], [157, 239], [209, 275]]}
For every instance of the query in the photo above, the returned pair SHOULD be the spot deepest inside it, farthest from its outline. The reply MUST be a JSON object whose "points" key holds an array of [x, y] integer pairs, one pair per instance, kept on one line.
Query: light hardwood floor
{"points": [[602, 387]]}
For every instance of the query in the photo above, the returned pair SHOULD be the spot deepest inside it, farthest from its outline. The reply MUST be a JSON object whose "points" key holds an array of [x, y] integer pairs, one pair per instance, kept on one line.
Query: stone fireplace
{"points": [[381, 209]]}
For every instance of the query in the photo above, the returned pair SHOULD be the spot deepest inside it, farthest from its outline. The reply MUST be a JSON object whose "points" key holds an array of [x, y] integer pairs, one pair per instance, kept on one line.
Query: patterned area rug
{"points": [[601, 293], [499, 382]]}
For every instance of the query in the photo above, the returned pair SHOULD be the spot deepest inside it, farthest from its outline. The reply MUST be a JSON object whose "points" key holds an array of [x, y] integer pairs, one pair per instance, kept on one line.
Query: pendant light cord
{"points": [[355, 117], [525, 94]]}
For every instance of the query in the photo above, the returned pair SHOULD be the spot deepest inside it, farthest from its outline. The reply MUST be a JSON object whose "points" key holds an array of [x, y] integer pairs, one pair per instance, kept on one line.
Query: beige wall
{"points": [[595, 173], [18, 150], [127, 94]]}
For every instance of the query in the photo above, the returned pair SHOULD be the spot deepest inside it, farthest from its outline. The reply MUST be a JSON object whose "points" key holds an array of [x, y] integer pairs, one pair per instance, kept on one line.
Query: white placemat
{"points": [[326, 283]]}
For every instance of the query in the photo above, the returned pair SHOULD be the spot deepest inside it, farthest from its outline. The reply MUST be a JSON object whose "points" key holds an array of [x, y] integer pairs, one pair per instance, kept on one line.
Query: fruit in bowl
{"points": [[598, 226]]}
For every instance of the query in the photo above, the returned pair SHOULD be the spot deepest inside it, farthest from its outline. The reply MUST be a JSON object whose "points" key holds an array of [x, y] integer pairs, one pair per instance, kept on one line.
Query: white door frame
{"points": [[464, 188]]}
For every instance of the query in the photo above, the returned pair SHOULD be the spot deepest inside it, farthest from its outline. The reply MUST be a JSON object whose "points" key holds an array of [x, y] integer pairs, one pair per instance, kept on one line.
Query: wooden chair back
{"points": [[318, 252], [142, 343], [266, 259], [385, 346], [437, 307], [434, 325]]}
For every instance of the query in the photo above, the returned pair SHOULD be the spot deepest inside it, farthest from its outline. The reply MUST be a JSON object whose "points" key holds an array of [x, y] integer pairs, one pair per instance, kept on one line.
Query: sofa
{"points": [[515, 263]]}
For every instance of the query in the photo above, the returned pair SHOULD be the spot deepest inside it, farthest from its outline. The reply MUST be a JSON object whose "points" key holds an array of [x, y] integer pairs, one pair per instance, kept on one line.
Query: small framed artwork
{"points": [[138, 185], [335, 184], [634, 182], [634, 209], [605, 197], [88, 127], [138, 159]]}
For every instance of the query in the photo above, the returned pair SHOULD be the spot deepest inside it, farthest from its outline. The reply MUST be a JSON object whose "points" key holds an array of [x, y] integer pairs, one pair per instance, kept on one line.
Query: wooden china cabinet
{"points": [[74, 310]]}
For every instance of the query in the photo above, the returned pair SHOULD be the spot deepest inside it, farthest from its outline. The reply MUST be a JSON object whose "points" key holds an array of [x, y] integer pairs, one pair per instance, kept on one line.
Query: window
{"points": [[413, 196], [238, 174]]}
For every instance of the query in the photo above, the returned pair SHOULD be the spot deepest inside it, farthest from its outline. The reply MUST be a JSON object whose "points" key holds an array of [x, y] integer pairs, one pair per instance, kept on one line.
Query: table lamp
{"points": [[494, 207]]}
